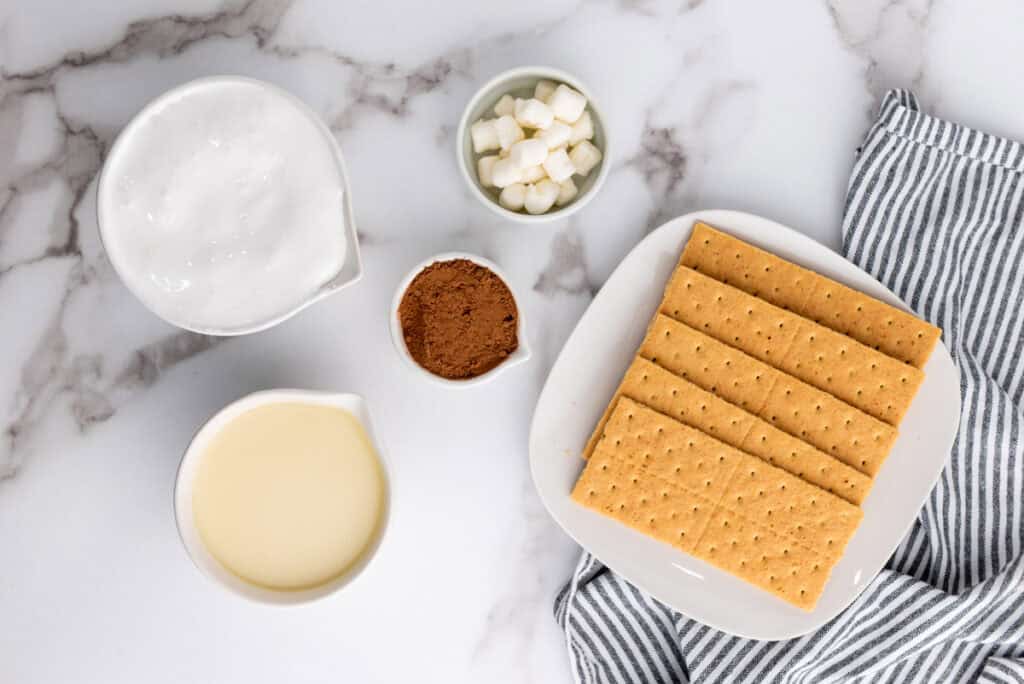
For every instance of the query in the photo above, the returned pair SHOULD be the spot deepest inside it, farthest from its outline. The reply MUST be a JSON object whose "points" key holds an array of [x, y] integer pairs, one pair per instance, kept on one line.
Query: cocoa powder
{"points": [[459, 319]]}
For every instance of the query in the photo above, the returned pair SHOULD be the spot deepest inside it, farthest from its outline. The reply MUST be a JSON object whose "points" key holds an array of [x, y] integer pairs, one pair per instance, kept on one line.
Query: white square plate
{"points": [[587, 372]]}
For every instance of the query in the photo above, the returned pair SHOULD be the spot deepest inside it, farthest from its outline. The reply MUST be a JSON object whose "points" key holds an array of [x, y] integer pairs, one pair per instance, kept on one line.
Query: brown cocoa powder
{"points": [[459, 319]]}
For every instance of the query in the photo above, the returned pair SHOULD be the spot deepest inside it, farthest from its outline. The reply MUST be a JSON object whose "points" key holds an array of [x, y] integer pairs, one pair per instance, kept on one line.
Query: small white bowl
{"points": [[520, 82], [522, 352], [352, 267], [185, 518]]}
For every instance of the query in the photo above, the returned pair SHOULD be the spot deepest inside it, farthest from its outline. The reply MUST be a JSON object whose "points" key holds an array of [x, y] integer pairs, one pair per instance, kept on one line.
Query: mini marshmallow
{"points": [[506, 106], [513, 197], [544, 89], [527, 153], [584, 157], [504, 173], [534, 174], [583, 129], [483, 170], [509, 132], [556, 135], [541, 196], [566, 192], [558, 166], [485, 135], [533, 113], [567, 104]]}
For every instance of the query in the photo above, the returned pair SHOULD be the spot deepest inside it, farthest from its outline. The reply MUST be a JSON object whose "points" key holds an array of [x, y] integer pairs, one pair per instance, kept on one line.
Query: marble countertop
{"points": [[712, 103]]}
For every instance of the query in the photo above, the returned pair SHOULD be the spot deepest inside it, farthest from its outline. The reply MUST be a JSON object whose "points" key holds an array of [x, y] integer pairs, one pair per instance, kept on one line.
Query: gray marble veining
{"points": [[711, 103]]}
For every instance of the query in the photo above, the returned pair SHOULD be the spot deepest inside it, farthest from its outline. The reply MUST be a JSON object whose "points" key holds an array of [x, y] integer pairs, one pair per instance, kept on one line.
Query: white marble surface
{"points": [[713, 103]]}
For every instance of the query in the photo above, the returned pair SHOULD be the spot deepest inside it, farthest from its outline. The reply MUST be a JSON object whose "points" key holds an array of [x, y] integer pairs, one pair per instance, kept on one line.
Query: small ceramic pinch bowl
{"points": [[187, 470], [520, 82], [521, 354]]}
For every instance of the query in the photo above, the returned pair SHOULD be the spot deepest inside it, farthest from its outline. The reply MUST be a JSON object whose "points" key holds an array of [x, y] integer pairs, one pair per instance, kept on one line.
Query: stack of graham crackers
{"points": [[757, 412]]}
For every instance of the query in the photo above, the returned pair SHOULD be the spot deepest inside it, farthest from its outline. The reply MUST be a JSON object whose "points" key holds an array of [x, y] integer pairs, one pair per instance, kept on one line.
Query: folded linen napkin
{"points": [[935, 211]]}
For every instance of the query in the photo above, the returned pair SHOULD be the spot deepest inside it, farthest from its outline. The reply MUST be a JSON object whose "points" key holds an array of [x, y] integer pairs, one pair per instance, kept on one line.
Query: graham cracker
{"points": [[764, 558], [833, 426], [791, 507], [875, 324], [653, 386], [670, 451], [865, 378], [789, 552], [736, 377], [836, 428], [673, 396], [607, 485]]}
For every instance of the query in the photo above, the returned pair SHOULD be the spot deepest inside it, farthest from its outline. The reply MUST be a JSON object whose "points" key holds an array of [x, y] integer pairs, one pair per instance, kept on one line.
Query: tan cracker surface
{"points": [[809, 294], [814, 416], [704, 497], [863, 377], [667, 393]]}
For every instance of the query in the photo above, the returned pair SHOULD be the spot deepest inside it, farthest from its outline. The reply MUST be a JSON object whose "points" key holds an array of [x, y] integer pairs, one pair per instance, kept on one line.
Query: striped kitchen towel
{"points": [[934, 210]]}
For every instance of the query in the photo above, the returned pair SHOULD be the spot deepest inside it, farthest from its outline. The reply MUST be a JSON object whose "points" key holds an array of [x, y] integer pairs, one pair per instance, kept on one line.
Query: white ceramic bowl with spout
{"points": [[521, 354], [185, 518], [351, 267]]}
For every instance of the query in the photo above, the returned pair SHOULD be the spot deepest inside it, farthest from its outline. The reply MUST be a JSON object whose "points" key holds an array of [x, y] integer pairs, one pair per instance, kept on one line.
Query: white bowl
{"points": [[352, 266], [522, 352], [185, 518], [520, 82]]}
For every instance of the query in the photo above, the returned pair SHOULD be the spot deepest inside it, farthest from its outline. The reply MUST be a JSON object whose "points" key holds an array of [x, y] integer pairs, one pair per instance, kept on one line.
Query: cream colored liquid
{"points": [[289, 496]]}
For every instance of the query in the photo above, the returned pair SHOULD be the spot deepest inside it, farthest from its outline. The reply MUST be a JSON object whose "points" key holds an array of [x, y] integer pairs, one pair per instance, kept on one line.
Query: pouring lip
{"points": [[521, 354], [351, 269]]}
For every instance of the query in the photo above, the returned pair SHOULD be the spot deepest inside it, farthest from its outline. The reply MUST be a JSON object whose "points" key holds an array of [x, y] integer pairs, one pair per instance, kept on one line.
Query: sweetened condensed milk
{"points": [[289, 496]]}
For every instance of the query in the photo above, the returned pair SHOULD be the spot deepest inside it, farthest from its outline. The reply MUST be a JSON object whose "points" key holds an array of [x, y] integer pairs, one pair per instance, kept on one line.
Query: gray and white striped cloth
{"points": [[934, 210]]}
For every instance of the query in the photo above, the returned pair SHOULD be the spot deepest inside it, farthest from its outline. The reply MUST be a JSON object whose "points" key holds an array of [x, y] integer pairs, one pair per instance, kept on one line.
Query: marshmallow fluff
{"points": [[541, 142], [225, 206]]}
